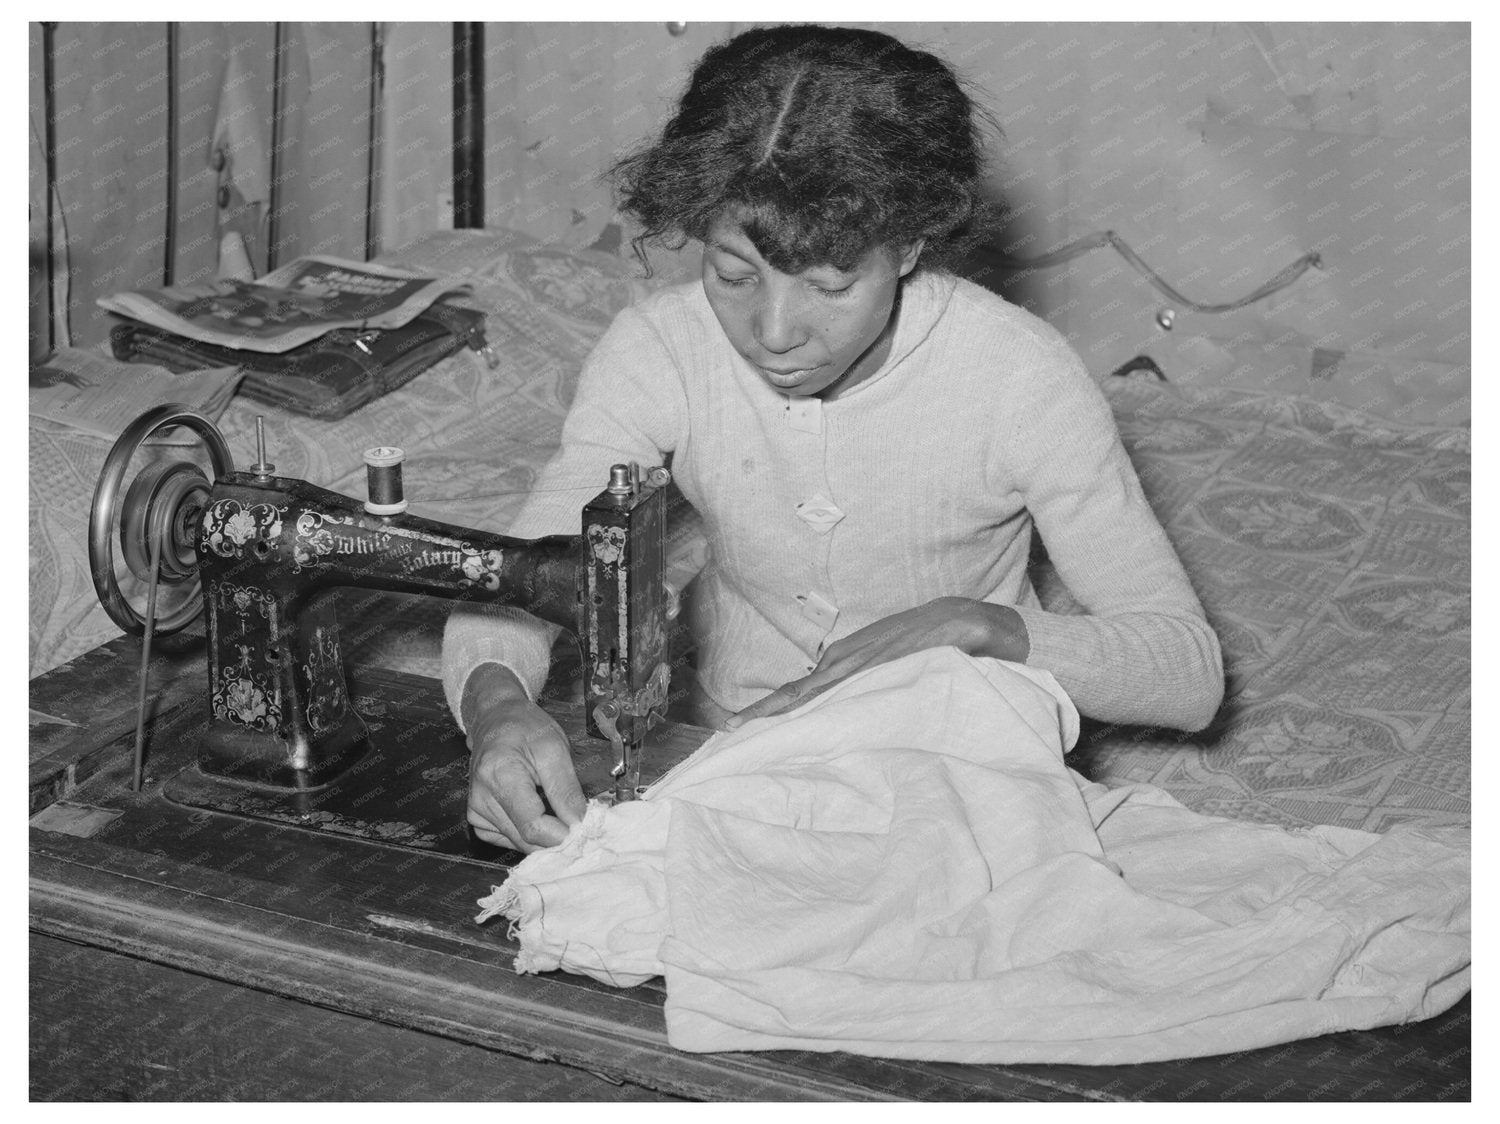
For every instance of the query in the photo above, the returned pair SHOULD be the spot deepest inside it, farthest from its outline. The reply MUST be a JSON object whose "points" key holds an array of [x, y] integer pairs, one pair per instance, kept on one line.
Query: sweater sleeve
{"points": [[1142, 651], [629, 406]]}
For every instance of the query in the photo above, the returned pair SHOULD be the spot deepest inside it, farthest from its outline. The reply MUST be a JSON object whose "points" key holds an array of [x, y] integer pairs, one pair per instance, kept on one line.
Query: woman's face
{"points": [[803, 332]]}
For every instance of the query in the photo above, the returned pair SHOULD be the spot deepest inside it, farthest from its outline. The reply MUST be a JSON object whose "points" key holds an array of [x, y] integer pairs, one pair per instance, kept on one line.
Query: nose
{"points": [[779, 326]]}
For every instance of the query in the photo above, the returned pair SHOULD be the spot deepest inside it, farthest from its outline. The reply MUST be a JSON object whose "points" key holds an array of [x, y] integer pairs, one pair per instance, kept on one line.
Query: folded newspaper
{"points": [[96, 394], [288, 307]]}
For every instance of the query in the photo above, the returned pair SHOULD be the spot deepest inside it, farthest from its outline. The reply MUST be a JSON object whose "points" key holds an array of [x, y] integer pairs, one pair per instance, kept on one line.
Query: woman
{"points": [[867, 439]]}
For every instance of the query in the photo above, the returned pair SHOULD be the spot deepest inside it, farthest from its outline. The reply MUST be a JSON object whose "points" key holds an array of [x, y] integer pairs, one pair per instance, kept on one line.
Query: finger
{"points": [[783, 698], [489, 835], [510, 791], [545, 831], [858, 651], [559, 780], [516, 790], [488, 817], [491, 824], [773, 703]]}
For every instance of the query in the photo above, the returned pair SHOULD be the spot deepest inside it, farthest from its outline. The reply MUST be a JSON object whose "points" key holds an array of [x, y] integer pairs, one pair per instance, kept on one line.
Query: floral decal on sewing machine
{"points": [[240, 697], [241, 694], [479, 567], [314, 539], [327, 696], [229, 527], [607, 543]]}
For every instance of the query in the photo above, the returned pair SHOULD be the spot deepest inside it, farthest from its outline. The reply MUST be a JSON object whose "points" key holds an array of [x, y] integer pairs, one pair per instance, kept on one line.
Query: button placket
{"points": [[805, 415], [818, 609], [820, 513]]}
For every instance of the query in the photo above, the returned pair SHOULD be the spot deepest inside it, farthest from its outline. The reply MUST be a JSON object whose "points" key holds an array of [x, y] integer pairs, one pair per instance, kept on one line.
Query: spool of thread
{"points": [[383, 477]]}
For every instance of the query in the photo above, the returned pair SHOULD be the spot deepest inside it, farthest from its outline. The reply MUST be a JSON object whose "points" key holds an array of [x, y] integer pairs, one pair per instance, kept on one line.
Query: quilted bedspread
{"points": [[1330, 548], [1331, 552]]}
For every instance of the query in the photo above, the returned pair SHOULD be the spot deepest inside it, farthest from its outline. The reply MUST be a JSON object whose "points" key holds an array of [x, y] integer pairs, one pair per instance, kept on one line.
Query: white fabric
{"points": [[905, 867]]}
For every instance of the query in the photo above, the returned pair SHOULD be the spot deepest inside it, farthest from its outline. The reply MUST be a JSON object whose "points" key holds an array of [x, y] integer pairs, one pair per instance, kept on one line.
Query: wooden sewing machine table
{"points": [[182, 954]]}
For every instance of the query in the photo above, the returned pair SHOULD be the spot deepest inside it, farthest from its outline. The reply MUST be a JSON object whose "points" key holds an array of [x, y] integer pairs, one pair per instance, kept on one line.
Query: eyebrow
{"points": [[714, 244]]}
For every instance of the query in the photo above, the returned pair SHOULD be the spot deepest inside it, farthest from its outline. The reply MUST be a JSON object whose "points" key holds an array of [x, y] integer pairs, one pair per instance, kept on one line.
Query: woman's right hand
{"points": [[515, 749]]}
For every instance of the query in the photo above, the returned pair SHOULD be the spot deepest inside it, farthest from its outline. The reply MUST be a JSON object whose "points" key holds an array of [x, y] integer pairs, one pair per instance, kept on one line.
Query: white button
{"points": [[820, 513], [805, 414], [818, 609]]}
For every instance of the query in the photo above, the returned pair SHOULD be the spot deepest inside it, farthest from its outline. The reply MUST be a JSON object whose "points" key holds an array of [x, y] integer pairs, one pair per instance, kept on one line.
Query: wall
{"points": [[561, 101], [127, 155], [1220, 153]]}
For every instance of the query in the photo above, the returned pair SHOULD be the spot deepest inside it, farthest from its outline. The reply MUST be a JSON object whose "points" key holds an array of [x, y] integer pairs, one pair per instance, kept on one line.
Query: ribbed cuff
{"points": [[501, 634]]}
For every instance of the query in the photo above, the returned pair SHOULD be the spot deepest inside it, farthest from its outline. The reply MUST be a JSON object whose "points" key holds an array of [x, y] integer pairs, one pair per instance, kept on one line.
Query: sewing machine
{"points": [[258, 554]]}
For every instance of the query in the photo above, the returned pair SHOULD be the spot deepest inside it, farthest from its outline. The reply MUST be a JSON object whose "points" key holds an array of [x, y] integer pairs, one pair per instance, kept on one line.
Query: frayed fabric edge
{"points": [[519, 901], [501, 899], [521, 910]]}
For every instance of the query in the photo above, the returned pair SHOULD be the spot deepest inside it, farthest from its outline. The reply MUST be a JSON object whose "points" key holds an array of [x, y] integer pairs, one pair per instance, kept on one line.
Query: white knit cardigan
{"points": [[925, 480]]}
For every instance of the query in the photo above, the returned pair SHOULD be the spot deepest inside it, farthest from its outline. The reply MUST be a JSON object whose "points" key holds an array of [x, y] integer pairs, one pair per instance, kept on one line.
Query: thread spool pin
{"points": [[262, 467]]}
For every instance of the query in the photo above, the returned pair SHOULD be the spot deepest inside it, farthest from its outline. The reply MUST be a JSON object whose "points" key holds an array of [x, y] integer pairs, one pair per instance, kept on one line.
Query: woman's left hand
{"points": [[979, 628]]}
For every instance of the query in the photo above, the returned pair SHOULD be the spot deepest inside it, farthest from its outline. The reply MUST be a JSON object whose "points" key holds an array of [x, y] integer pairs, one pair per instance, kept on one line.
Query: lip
{"points": [[788, 377]]}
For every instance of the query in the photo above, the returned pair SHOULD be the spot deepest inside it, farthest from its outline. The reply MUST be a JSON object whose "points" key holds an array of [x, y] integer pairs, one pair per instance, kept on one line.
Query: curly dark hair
{"points": [[826, 141]]}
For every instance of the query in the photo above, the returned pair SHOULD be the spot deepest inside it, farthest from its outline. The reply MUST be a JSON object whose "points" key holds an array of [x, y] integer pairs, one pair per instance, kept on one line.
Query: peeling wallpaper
{"points": [[1220, 152], [1223, 152]]}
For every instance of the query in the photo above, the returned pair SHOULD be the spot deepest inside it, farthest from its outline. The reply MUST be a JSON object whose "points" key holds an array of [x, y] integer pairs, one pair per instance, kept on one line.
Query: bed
{"points": [[1331, 552], [1330, 547], [475, 436]]}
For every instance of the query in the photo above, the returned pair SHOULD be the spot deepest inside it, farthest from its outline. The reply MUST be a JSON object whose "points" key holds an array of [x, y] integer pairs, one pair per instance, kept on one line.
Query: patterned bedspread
{"points": [[1331, 552], [1330, 549]]}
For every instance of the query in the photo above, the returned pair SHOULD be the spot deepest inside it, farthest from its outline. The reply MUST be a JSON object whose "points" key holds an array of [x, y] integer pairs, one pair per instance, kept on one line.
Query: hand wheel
{"points": [[162, 510]]}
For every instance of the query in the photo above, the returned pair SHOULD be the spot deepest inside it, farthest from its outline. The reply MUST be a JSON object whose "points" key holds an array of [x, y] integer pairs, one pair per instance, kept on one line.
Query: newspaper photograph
{"points": [[287, 307]]}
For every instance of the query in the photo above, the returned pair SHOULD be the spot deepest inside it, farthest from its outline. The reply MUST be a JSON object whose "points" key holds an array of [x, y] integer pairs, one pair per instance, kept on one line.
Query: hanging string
{"points": [[1103, 238]]}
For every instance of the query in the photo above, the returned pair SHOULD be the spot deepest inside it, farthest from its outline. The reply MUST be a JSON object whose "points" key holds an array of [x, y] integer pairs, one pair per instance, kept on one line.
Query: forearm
{"points": [[488, 688], [1141, 652], [494, 637], [1140, 667]]}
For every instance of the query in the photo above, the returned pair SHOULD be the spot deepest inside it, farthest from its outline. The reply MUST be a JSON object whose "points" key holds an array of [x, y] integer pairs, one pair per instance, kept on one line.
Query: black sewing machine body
{"points": [[270, 548], [268, 551]]}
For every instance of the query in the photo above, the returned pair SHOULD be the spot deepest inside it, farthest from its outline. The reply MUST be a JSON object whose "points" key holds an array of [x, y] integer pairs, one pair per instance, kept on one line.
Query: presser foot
{"points": [[627, 771]]}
